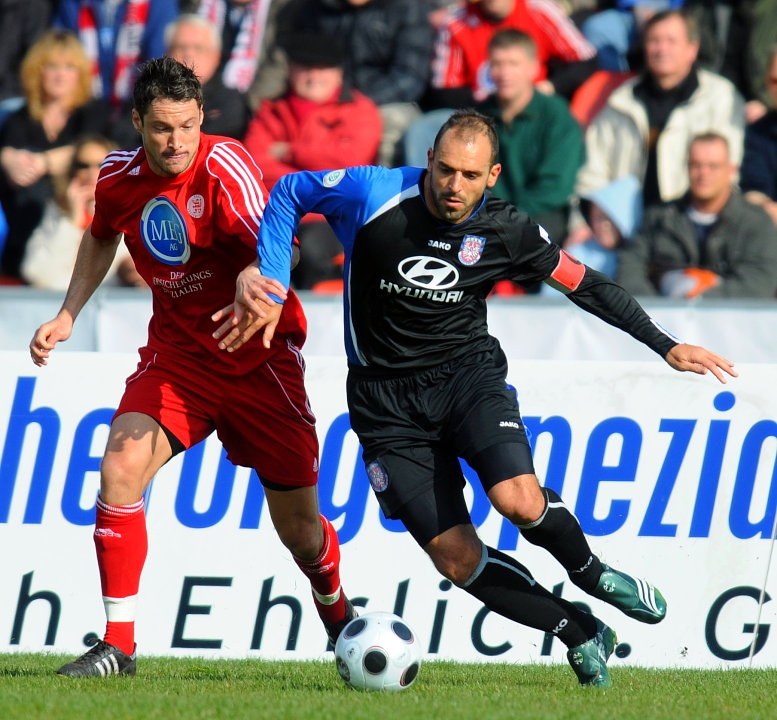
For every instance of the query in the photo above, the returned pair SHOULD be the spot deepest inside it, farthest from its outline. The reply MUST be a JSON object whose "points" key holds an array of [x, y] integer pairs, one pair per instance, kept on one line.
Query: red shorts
{"points": [[262, 418]]}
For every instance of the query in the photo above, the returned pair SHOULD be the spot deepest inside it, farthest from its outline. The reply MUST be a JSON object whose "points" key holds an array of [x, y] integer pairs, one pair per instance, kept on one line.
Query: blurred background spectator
{"points": [[387, 47], [710, 242], [251, 60], [117, 35], [726, 46], [320, 123], [540, 143], [647, 122], [460, 68], [758, 175], [51, 251], [193, 41], [36, 141], [762, 40], [611, 216], [23, 22], [616, 32]]}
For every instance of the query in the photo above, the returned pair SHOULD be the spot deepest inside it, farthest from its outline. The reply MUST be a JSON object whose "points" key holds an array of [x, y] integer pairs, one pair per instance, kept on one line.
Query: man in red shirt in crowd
{"points": [[189, 206], [320, 123], [460, 73]]}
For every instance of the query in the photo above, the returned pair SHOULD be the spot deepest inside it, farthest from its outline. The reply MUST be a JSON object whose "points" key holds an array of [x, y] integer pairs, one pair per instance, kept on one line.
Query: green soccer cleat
{"points": [[589, 660], [636, 598]]}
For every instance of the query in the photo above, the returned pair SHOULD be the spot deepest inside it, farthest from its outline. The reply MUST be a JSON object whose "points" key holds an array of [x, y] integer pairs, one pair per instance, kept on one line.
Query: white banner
{"points": [[672, 477]]}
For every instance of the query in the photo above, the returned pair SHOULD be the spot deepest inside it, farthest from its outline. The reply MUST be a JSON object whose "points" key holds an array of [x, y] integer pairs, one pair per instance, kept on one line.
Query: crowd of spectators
{"points": [[614, 118]]}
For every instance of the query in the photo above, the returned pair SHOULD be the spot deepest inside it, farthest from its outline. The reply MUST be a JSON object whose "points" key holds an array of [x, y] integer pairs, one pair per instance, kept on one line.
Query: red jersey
{"points": [[461, 49], [190, 235]]}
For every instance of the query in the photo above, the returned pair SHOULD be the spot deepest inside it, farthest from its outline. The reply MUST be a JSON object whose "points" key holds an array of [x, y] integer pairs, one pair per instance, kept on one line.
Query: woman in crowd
{"points": [[36, 141], [51, 251]]}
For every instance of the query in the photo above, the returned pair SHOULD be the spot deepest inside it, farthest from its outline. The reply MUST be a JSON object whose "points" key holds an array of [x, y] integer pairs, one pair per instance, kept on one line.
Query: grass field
{"points": [[193, 689]]}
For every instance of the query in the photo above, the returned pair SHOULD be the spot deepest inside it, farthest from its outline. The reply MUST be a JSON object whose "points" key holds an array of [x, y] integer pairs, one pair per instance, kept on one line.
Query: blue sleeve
{"points": [[347, 198]]}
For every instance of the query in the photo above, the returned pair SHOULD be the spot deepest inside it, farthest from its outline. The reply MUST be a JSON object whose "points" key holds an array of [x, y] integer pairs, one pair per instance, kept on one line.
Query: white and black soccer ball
{"points": [[378, 651]]}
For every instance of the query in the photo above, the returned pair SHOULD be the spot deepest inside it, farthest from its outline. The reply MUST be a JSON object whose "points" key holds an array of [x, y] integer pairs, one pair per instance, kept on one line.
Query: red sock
{"points": [[324, 575], [121, 542]]}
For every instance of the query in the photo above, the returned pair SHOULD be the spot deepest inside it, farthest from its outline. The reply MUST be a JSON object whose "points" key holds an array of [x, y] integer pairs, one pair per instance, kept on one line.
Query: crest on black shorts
{"points": [[378, 476]]}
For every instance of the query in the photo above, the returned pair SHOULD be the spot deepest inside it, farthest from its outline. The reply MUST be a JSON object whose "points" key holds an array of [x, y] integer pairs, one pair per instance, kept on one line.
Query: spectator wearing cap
{"points": [[319, 124], [388, 49]]}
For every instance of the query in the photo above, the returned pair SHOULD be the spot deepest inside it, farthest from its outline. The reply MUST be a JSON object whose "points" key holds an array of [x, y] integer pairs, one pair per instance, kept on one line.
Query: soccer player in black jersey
{"points": [[427, 383]]}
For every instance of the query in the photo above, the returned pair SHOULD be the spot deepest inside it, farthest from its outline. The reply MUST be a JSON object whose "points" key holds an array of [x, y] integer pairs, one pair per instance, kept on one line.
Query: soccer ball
{"points": [[378, 651]]}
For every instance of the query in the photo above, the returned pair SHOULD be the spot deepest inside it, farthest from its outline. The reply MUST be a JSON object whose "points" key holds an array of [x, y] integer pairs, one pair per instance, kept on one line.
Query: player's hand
{"points": [[693, 358], [252, 292], [253, 310], [233, 333], [47, 336]]}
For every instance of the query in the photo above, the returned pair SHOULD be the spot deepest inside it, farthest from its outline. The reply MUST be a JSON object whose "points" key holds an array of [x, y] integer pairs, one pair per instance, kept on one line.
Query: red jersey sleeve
{"points": [[243, 193]]}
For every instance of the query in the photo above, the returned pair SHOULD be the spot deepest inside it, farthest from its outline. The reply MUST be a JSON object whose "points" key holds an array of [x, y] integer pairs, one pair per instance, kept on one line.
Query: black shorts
{"points": [[414, 428]]}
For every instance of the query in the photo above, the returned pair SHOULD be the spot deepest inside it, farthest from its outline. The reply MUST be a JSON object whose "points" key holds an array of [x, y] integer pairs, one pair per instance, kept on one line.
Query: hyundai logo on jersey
{"points": [[163, 230], [427, 272]]}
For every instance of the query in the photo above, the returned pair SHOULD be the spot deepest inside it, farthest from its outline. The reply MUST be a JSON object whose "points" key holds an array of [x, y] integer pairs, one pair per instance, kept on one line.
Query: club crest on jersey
{"points": [[164, 233], [378, 476], [471, 249], [195, 206], [332, 178]]}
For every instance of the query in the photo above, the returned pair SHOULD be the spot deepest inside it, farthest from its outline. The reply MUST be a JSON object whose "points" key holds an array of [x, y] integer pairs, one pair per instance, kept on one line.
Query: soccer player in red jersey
{"points": [[189, 206]]}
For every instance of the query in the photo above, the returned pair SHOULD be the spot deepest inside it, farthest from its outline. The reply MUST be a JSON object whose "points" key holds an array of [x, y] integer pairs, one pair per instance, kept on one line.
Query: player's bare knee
{"points": [[520, 500], [303, 540], [455, 561], [122, 481]]}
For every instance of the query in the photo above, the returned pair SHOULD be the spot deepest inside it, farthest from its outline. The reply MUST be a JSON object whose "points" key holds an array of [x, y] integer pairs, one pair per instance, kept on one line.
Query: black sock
{"points": [[558, 531], [506, 587]]}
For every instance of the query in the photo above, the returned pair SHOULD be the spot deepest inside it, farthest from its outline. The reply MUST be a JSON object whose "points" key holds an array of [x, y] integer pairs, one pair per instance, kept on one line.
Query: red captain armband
{"points": [[568, 273]]}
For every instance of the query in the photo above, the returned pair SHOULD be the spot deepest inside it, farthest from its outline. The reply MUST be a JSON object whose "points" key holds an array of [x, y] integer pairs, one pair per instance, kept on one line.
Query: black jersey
{"points": [[416, 286]]}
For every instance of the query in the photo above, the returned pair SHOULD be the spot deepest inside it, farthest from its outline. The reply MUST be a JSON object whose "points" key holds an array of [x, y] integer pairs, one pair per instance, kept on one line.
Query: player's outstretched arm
{"points": [[693, 358]]}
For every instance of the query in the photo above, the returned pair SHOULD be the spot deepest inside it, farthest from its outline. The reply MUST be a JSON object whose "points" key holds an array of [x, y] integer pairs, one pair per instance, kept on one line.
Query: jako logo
{"points": [[427, 272]]}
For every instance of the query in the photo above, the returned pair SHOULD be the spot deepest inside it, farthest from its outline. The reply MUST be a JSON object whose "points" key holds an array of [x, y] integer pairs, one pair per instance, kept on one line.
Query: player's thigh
{"points": [[182, 400], [422, 486], [266, 423], [490, 434]]}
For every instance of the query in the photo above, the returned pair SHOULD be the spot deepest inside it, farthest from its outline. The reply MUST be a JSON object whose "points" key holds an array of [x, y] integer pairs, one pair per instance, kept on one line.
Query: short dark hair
{"points": [[166, 79], [510, 37], [688, 18], [469, 123], [710, 136]]}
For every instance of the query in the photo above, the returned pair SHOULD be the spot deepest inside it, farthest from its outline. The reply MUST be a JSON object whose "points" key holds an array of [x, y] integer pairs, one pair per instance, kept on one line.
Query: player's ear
{"points": [[202, 115], [137, 122], [493, 174]]}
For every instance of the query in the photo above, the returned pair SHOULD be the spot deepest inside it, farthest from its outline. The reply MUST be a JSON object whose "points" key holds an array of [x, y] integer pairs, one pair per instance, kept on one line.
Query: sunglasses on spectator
{"points": [[83, 165]]}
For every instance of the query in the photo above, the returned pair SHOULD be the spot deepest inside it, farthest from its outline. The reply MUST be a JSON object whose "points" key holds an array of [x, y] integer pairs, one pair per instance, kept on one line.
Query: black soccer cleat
{"points": [[100, 661], [333, 630]]}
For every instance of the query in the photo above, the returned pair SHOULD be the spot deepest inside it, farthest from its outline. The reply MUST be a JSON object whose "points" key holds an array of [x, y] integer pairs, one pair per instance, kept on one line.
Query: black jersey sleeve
{"points": [[604, 298]]}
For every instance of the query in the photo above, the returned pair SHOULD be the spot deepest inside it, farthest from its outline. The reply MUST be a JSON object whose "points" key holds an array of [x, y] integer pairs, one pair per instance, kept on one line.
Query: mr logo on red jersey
{"points": [[164, 233]]}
